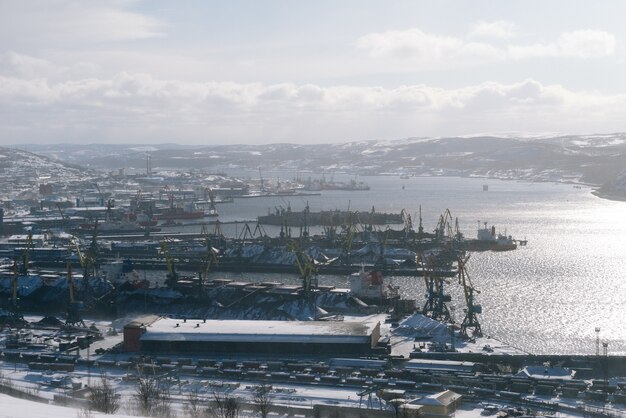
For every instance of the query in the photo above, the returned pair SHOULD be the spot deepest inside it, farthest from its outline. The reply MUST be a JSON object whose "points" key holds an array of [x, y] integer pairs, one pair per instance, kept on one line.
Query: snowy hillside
{"points": [[592, 159], [28, 171]]}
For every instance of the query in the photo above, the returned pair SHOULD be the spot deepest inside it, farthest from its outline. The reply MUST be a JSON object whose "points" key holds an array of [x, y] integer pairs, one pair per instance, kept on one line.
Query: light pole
{"points": [[452, 346]]}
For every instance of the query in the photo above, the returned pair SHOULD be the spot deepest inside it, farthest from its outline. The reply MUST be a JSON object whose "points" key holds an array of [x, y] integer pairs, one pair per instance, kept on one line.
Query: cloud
{"points": [[428, 48], [498, 29], [25, 66], [584, 44], [136, 108], [412, 43], [417, 45], [41, 24]]}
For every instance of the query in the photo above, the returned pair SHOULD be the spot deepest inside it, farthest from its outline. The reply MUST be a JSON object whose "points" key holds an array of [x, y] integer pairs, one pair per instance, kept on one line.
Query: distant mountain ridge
{"points": [[599, 160]]}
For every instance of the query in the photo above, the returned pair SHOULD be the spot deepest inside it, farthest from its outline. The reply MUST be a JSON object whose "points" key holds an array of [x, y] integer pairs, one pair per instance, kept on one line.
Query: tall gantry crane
{"points": [[408, 225], [212, 209], [420, 228], [14, 299], [209, 258], [346, 247], [88, 259], [172, 274], [26, 254], [444, 227], [306, 267], [14, 302], [102, 199], [436, 297], [381, 262], [74, 317], [64, 219], [15, 318], [470, 322]]}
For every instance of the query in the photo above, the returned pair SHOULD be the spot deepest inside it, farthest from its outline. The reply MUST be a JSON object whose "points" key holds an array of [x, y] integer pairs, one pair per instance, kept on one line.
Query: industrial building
{"points": [[243, 336]]}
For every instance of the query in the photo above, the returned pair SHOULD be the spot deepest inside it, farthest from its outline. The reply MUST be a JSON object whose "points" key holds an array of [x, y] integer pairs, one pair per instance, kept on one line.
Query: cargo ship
{"points": [[288, 217], [186, 211], [115, 227]]}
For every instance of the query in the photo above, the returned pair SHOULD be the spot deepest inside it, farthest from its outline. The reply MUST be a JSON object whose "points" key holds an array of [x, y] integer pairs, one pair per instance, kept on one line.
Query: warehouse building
{"points": [[242, 336]]}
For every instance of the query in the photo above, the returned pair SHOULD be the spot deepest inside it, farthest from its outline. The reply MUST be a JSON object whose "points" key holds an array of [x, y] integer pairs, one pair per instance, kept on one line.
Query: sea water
{"points": [[546, 297]]}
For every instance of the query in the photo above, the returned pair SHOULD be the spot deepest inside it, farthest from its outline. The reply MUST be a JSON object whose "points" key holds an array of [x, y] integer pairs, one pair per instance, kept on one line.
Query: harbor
{"points": [[409, 286]]}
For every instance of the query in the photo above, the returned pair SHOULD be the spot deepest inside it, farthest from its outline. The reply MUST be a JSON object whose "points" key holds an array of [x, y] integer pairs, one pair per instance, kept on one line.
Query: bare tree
{"points": [[84, 413], [103, 397], [192, 407], [263, 400], [152, 397], [146, 393], [225, 406]]}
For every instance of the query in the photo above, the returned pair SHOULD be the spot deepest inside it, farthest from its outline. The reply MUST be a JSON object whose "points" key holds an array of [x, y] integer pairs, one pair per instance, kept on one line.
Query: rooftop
{"points": [[259, 331]]}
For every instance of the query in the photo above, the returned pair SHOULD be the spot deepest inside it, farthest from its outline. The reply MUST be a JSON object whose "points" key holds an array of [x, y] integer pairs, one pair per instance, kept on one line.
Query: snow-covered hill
{"points": [[592, 159], [24, 172]]}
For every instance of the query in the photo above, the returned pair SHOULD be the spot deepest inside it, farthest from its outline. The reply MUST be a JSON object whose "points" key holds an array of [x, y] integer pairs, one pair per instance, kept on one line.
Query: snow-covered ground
{"points": [[20, 408], [423, 328], [292, 393]]}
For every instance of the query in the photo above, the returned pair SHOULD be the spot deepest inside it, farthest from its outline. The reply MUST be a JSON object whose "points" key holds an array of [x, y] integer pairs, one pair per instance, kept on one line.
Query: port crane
{"points": [[444, 228], [26, 254], [470, 322], [285, 231], [14, 303], [100, 193], [212, 209], [381, 262], [247, 233], [420, 228], [306, 267], [172, 275], [304, 227], [436, 297], [330, 230], [88, 259], [346, 253], [74, 318], [64, 220], [408, 224], [209, 258]]}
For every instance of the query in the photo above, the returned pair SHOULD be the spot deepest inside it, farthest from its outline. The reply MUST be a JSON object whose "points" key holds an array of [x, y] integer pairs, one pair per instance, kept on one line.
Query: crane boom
{"points": [[470, 322], [306, 267], [26, 253], [172, 276], [14, 285]]}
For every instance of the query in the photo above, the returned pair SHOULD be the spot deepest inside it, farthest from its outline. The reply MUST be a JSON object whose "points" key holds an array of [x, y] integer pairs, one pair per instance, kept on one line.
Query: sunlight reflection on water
{"points": [[547, 297]]}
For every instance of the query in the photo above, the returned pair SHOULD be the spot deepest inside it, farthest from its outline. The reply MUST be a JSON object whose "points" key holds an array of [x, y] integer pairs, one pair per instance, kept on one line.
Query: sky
{"points": [[254, 72]]}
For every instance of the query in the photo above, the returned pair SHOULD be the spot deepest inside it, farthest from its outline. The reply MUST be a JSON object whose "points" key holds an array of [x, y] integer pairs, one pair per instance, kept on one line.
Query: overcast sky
{"points": [[216, 72]]}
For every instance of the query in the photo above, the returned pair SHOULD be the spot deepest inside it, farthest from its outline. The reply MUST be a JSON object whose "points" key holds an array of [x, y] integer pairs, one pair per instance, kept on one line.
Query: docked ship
{"points": [[144, 219], [488, 240], [115, 227], [49, 291], [369, 286], [328, 218], [319, 185], [186, 211]]}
